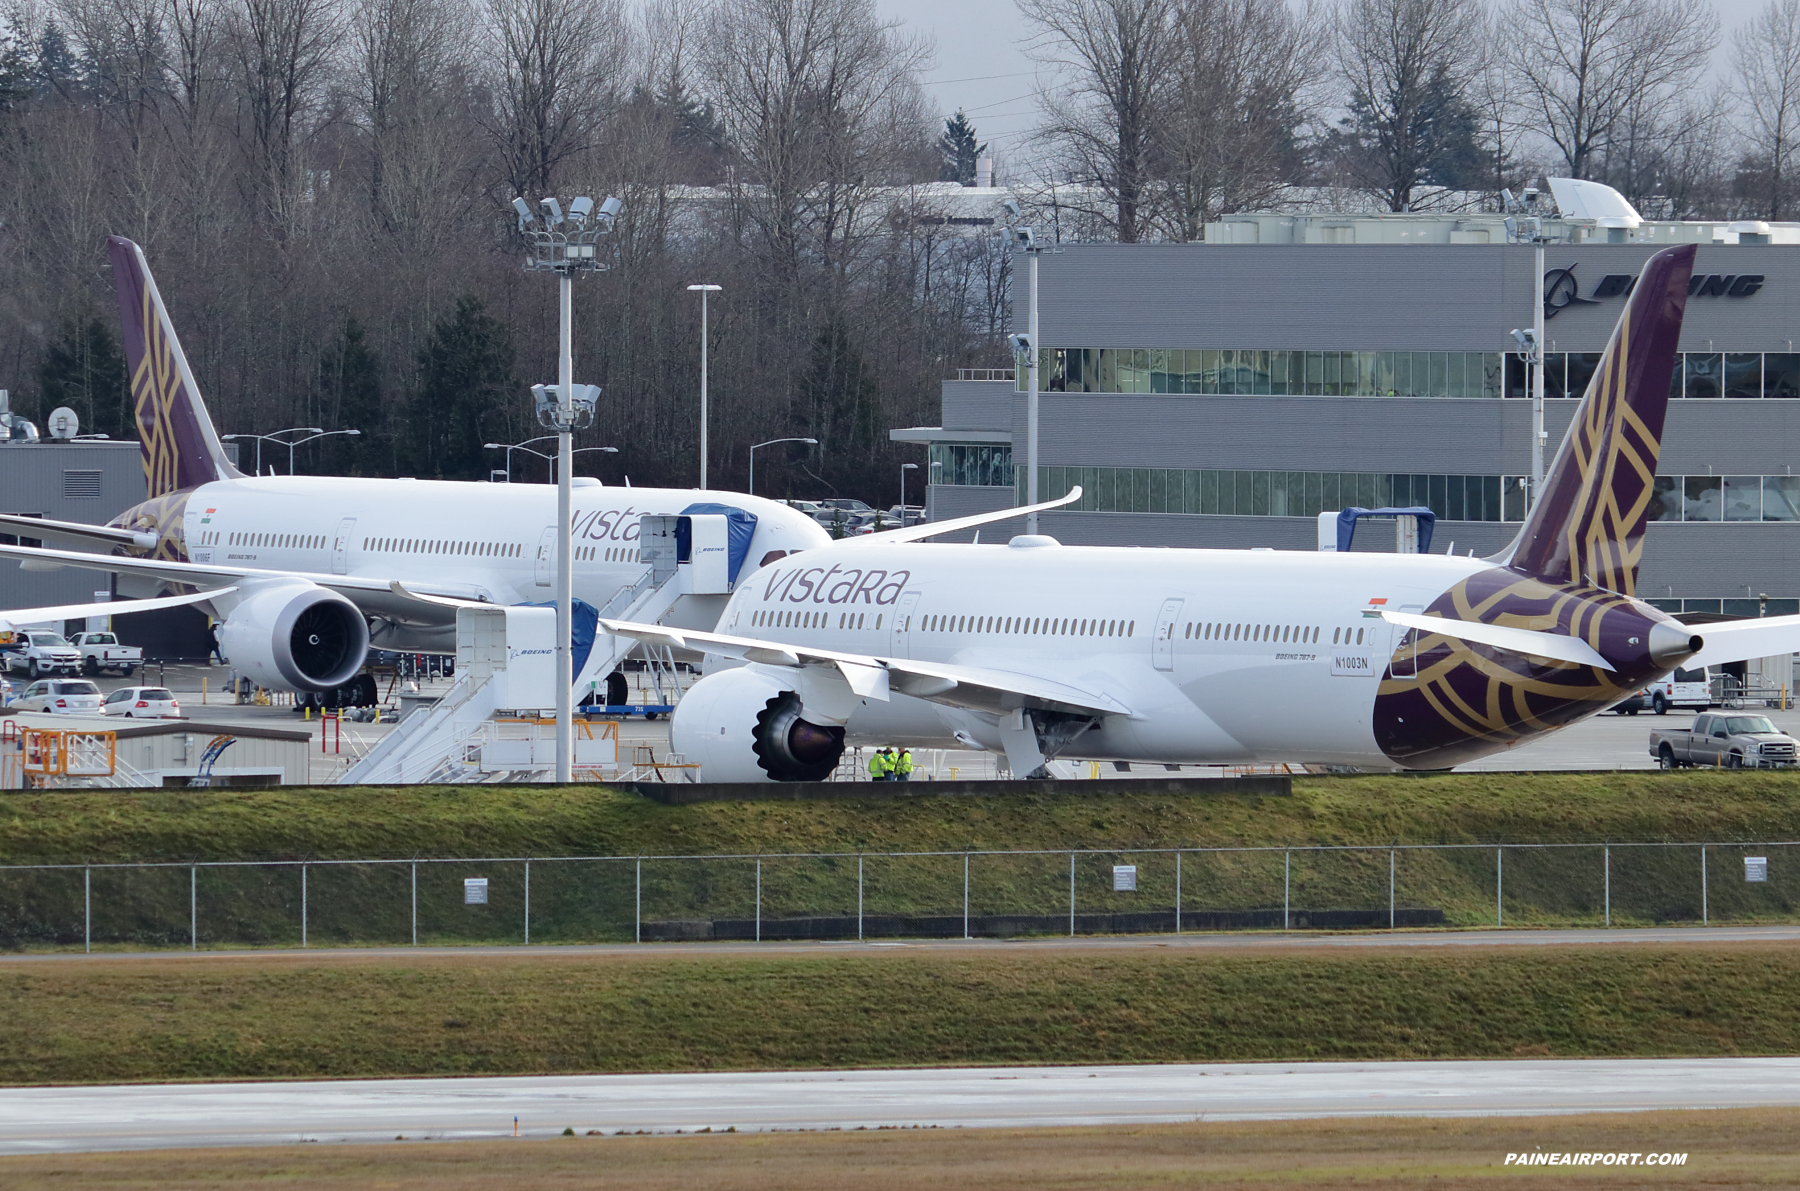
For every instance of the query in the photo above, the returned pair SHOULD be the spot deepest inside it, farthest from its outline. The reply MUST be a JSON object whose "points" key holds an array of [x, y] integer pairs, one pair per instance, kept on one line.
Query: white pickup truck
{"points": [[39, 651], [102, 651]]}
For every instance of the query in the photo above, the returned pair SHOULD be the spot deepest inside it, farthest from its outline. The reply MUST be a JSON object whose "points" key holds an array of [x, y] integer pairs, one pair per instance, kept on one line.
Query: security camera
{"points": [[1012, 210], [1023, 237], [1525, 339], [609, 210], [1021, 344], [1531, 197], [580, 209], [553, 213], [524, 210]]}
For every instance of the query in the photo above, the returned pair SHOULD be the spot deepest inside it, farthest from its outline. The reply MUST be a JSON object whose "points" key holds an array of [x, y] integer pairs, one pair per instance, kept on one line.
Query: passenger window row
{"points": [[1030, 626], [438, 546], [296, 541], [791, 618], [611, 553], [1273, 633]]}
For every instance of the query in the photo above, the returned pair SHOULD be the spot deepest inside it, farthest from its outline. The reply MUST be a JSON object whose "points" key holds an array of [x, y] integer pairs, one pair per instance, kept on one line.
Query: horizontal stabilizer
{"points": [[1740, 640], [1558, 646], [12, 616], [975, 687]]}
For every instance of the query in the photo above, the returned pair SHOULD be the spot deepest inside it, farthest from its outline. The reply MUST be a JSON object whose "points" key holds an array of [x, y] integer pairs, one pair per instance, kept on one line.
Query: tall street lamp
{"points": [[752, 489], [551, 459], [1530, 230], [703, 290], [904, 468], [509, 448], [1023, 239], [565, 246]]}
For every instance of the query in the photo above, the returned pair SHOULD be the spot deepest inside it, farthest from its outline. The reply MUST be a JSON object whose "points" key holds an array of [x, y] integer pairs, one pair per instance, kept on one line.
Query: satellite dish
{"points": [[63, 423]]}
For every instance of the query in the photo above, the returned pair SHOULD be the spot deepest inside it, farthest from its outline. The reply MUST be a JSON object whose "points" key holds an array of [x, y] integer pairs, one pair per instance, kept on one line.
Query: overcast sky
{"points": [[982, 67]]}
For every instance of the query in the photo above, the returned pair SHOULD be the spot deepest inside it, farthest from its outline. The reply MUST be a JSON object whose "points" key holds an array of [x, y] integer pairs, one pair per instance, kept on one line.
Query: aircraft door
{"points": [[1163, 647], [340, 548], [1404, 661], [901, 645], [546, 556]]}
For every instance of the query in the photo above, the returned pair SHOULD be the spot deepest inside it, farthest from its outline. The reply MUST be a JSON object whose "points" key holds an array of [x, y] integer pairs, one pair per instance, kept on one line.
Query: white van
{"points": [[1684, 688]]}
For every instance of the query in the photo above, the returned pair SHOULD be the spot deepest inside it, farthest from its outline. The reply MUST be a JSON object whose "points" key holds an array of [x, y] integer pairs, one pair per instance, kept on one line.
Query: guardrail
{"points": [[593, 899]]}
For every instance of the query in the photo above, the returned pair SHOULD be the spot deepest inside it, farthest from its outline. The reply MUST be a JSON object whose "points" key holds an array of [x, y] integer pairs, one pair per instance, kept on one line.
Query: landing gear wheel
{"points": [[1658, 704]]}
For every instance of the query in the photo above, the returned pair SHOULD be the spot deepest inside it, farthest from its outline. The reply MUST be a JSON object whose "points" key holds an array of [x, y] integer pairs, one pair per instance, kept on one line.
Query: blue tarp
{"points": [[1347, 524], [586, 620], [740, 527]]}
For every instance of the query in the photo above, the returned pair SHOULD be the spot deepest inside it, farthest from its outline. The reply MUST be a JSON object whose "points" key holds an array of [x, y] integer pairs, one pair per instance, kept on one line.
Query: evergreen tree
{"points": [[85, 370], [844, 408], [350, 384], [465, 387], [959, 150]]}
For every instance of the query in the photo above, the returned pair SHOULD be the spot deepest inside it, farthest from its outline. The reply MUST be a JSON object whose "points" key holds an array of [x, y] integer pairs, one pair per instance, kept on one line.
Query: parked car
{"points": [[102, 651], [60, 696], [141, 702], [39, 651], [1733, 740]]}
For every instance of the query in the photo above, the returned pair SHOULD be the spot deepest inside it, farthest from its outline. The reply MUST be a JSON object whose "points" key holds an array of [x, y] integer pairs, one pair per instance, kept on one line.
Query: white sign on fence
{"points": [[1124, 878], [1756, 868], [474, 891]]}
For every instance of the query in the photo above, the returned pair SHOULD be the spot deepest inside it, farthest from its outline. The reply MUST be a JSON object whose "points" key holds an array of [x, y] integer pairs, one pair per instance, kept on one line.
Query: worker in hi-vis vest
{"points": [[879, 766], [903, 766]]}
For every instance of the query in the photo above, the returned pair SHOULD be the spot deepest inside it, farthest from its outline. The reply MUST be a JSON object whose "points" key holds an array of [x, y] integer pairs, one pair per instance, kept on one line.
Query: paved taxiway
{"points": [[45, 1120]]}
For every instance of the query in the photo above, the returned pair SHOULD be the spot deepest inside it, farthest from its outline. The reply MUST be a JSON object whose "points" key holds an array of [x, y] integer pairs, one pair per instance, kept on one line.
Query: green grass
{"points": [[223, 1018], [582, 901]]}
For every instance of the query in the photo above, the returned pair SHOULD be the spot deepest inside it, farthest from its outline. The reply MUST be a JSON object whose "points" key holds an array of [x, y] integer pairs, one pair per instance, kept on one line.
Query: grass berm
{"points": [[574, 901]]}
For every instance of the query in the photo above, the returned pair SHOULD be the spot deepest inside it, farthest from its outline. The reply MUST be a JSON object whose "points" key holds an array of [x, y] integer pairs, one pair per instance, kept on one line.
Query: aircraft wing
{"points": [[930, 529], [1739, 640], [978, 687], [1560, 646], [376, 596], [16, 616], [75, 532]]}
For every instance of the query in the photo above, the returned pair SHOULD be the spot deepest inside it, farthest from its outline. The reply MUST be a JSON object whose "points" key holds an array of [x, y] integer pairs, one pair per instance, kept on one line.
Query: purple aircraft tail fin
{"points": [[181, 448], [1588, 524]]}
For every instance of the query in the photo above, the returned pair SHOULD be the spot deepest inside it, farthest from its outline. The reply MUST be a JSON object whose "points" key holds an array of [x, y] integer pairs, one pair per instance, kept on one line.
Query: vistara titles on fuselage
{"points": [[307, 572], [1038, 650]]}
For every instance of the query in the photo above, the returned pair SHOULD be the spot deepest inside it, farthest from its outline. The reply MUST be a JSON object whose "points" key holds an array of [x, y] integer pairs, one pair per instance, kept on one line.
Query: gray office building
{"points": [[1223, 394]]}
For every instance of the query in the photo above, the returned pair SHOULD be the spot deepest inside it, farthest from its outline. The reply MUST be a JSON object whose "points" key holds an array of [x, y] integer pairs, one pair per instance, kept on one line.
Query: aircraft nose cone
{"points": [[1670, 644]]}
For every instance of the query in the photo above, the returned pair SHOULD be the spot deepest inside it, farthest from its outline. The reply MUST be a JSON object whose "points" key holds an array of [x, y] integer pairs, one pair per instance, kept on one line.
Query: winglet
{"points": [[930, 529], [180, 447], [1588, 524]]}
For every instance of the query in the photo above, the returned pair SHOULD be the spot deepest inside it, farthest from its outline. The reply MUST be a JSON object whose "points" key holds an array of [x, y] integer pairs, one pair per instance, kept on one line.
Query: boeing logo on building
{"points": [[1562, 290]]}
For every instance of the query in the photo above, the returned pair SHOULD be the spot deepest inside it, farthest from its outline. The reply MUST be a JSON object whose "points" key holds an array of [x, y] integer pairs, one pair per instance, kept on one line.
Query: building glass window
{"points": [[986, 465], [1665, 499], [1704, 372], [1581, 369], [1702, 499], [1743, 374], [1781, 498], [1781, 374], [1743, 498]]}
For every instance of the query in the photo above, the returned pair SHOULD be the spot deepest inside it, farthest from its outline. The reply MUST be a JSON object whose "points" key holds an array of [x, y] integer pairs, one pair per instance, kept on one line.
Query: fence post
{"points": [[528, 903], [193, 908], [1177, 890], [1705, 919], [415, 903], [1390, 889], [859, 897], [1499, 907], [965, 895], [759, 899], [1606, 859], [1287, 859], [87, 909], [303, 905], [637, 929], [1071, 895]]}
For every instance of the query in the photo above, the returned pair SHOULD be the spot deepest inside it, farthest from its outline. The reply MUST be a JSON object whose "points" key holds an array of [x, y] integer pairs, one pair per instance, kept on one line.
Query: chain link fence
{"points": [[613, 899]]}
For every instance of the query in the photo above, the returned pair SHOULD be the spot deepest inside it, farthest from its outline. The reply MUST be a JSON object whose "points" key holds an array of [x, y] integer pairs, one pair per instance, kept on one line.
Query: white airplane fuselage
{"points": [[1221, 654]]}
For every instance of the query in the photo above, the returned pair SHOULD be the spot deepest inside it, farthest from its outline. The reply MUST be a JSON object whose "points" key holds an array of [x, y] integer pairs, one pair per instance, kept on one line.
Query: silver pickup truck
{"points": [[1731, 739]]}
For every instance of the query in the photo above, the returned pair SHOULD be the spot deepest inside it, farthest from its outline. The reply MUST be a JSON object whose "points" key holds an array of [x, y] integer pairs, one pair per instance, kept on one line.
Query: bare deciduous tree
{"points": [[554, 67], [1114, 59], [1765, 54], [283, 50], [1587, 66]]}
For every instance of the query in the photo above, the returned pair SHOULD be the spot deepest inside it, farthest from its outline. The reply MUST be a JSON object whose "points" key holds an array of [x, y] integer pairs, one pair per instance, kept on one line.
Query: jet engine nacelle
{"points": [[296, 637], [746, 725]]}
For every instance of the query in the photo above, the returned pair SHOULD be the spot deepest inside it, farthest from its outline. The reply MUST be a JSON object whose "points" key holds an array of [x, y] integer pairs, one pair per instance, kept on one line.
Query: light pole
{"points": [[273, 436], [1531, 343], [770, 443], [509, 448], [551, 459], [1025, 241], [703, 291], [904, 468], [565, 253]]}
